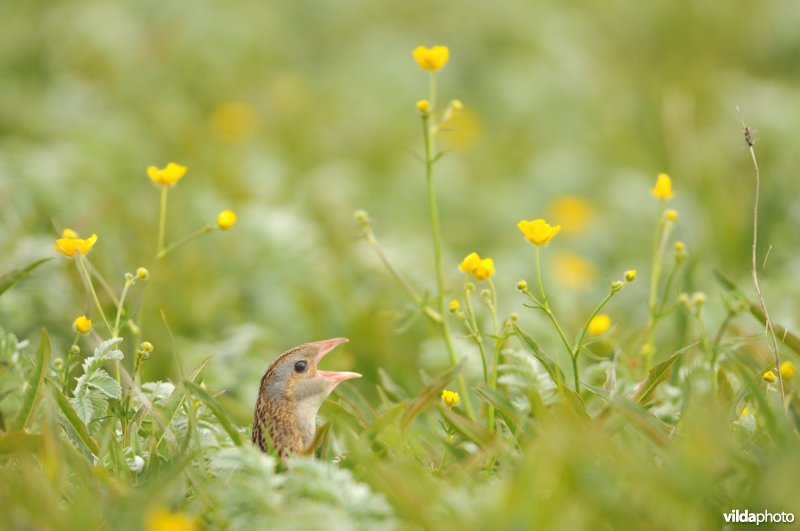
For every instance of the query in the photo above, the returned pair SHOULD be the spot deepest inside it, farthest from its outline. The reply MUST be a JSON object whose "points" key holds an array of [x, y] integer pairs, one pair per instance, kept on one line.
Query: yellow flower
{"points": [[663, 187], [671, 215], [70, 246], [167, 176], [82, 324], [481, 268], [573, 271], [226, 219], [234, 121], [163, 520], [69, 233], [454, 306], [450, 398], [538, 231], [423, 106], [770, 377], [745, 412], [680, 247], [573, 213], [431, 58], [787, 370], [599, 324], [630, 275]]}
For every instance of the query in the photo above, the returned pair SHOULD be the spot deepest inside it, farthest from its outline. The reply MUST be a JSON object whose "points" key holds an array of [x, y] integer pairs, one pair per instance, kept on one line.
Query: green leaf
{"points": [[72, 418], [35, 382], [654, 429], [654, 378], [103, 382], [19, 441], [8, 279], [215, 408], [550, 366], [501, 404], [428, 395], [469, 429], [167, 415], [90, 405]]}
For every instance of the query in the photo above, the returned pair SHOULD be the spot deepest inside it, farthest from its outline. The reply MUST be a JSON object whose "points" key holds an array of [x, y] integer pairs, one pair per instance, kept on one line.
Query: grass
{"points": [[613, 373]]}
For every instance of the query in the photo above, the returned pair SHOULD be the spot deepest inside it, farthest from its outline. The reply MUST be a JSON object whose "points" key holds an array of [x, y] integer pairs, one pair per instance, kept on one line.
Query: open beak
{"points": [[323, 347]]}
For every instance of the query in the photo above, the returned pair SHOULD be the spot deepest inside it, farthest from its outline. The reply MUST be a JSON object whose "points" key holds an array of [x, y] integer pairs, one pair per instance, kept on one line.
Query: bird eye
{"points": [[300, 366]]}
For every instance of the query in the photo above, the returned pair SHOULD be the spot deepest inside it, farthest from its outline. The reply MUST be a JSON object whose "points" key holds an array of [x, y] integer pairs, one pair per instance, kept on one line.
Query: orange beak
{"points": [[323, 347]]}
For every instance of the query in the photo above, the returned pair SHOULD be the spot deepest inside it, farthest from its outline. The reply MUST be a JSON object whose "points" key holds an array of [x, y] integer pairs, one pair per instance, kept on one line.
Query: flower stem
{"points": [[120, 304], [659, 246], [84, 272], [183, 241], [437, 244], [546, 305], [579, 343], [162, 219]]}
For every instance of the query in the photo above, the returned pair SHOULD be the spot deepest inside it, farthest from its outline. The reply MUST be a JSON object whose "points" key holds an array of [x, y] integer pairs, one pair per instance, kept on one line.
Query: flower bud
{"points": [[74, 350], [770, 377], [671, 215], [424, 107], [617, 285], [698, 298], [522, 285], [82, 324], [226, 219], [142, 273], [128, 278], [146, 346], [454, 306], [630, 275], [58, 363]]}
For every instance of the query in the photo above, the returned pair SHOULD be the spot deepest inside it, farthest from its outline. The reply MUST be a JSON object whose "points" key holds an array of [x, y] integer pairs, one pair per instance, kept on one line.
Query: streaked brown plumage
{"points": [[291, 392]]}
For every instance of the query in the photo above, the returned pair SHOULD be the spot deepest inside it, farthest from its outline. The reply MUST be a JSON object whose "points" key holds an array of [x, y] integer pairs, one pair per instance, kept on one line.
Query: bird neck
{"points": [[306, 414]]}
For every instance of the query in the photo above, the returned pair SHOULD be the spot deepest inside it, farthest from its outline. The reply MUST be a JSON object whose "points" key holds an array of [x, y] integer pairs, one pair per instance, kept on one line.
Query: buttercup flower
{"points": [[423, 106], [163, 520], [663, 187], [167, 176], [787, 370], [70, 246], [480, 268], [226, 219], [770, 377], [69, 233], [82, 324], [431, 58], [599, 324], [450, 398], [538, 231]]}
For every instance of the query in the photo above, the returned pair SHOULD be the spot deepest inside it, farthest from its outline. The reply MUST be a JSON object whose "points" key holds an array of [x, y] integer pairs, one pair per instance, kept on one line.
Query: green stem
{"points": [[579, 344], [162, 219], [120, 304], [546, 305], [183, 241], [497, 349], [432, 314], [437, 245], [475, 332], [659, 245], [83, 271], [69, 362]]}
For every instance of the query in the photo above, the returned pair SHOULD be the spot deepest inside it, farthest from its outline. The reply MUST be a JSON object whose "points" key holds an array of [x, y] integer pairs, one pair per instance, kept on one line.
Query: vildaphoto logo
{"points": [[746, 517]]}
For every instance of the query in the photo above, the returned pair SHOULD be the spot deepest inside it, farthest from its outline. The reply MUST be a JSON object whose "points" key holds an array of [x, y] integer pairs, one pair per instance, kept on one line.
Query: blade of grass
{"points": [[33, 392], [10, 278], [72, 418], [215, 408]]}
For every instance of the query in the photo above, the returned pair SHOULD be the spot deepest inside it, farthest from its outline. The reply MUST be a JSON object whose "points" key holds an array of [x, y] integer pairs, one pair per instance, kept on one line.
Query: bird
{"points": [[291, 392]]}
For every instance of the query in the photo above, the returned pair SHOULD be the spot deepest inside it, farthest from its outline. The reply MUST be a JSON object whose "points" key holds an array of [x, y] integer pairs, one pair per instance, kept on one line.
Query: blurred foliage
{"points": [[295, 114]]}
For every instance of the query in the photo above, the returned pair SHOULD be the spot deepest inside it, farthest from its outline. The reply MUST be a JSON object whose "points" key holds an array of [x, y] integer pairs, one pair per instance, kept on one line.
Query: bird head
{"points": [[294, 376]]}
